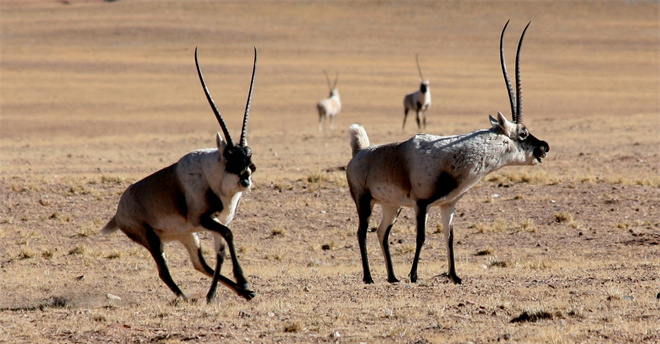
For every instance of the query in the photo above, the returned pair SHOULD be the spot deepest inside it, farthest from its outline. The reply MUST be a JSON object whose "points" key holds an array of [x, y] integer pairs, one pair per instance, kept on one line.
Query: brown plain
{"points": [[96, 95]]}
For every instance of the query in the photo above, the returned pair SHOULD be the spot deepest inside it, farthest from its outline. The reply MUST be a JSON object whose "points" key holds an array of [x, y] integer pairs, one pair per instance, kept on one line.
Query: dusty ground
{"points": [[96, 95]]}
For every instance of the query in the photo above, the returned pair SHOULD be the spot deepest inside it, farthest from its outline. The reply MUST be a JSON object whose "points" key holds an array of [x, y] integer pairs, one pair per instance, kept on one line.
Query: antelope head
{"points": [[332, 87], [423, 83], [237, 158], [533, 148]]}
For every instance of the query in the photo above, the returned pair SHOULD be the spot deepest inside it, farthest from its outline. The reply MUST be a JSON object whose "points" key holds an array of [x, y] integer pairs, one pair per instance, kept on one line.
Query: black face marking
{"points": [[541, 148], [443, 187], [422, 88], [239, 159]]}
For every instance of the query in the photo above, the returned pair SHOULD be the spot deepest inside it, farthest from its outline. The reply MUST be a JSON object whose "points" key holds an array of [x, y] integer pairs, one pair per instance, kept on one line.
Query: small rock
{"points": [[271, 314], [80, 278], [336, 334], [628, 297], [244, 314], [112, 296]]}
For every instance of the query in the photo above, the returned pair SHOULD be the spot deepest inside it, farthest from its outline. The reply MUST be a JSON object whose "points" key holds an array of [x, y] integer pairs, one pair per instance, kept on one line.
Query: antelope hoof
{"points": [[246, 293], [413, 278], [368, 280], [455, 279], [393, 280]]}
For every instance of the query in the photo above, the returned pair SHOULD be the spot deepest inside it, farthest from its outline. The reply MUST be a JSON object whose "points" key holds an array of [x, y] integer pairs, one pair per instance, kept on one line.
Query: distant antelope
{"points": [[418, 101], [198, 193], [331, 106], [428, 170]]}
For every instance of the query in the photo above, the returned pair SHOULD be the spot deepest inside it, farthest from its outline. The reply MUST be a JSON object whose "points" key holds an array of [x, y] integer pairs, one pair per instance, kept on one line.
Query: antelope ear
{"points": [[501, 123], [220, 143]]}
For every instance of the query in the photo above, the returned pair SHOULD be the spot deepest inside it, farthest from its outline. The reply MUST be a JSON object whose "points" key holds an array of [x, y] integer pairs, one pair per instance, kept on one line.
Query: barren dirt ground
{"points": [[96, 95]]}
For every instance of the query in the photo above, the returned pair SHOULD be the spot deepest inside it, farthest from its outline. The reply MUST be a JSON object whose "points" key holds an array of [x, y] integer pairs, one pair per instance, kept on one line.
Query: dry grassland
{"points": [[96, 95]]}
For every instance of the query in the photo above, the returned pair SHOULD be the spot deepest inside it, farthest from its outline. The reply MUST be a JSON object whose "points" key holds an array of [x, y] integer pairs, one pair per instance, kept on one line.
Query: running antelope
{"points": [[200, 192], [427, 171]]}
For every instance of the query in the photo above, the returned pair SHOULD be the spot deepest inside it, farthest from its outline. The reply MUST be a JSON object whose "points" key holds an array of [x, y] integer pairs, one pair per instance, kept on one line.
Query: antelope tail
{"points": [[110, 227], [359, 138]]}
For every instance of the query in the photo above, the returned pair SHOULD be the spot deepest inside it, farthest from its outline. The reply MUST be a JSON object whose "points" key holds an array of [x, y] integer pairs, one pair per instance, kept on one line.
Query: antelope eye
{"points": [[523, 134]]}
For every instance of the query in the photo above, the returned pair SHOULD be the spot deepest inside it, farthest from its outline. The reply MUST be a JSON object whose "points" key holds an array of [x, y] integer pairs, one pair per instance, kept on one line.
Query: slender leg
{"points": [[364, 212], [421, 237], [192, 245], [155, 247], [390, 214], [321, 120], [447, 212], [419, 117], [405, 116], [424, 116], [209, 223]]}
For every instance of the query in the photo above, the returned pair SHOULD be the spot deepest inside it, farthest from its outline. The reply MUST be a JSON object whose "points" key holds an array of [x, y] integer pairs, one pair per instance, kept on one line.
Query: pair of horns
{"points": [[215, 109], [516, 106], [419, 69], [333, 85]]}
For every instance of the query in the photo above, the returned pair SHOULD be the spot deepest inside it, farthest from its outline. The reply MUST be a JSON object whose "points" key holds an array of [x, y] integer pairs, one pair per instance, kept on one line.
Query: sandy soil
{"points": [[96, 95]]}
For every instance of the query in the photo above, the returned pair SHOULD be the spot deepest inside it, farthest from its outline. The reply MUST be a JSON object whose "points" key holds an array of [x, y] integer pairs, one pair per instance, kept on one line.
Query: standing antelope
{"points": [[200, 192], [331, 106], [418, 101], [429, 170]]}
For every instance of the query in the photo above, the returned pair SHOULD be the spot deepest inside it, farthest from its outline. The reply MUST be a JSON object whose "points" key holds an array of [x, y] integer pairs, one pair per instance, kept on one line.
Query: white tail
{"points": [[359, 138]]}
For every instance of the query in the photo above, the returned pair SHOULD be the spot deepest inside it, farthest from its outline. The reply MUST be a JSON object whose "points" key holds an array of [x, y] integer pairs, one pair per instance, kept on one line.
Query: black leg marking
{"points": [[156, 249], [207, 268], [241, 286], [421, 237], [405, 116], [386, 249], [450, 247], [364, 212]]}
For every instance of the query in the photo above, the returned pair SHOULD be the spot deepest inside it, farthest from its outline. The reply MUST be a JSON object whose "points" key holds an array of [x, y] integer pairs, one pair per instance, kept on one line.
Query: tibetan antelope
{"points": [[418, 101], [428, 170], [200, 192], [331, 106]]}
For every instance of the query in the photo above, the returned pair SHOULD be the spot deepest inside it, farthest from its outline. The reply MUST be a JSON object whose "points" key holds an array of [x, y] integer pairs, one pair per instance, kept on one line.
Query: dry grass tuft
{"points": [[492, 227], [563, 216], [533, 316]]}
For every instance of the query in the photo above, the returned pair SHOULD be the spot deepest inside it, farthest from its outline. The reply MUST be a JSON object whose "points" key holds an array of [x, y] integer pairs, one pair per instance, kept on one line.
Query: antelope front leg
{"points": [[242, 286]]}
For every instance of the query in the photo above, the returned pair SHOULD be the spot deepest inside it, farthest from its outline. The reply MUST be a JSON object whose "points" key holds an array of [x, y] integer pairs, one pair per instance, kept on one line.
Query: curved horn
{"points": [[418, 68], [247, 105], [512, 98], [334, 85], [519, 108], [215, 109]]}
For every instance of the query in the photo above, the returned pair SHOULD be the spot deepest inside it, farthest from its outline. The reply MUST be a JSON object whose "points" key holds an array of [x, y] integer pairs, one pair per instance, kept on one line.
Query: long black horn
{"points": [[519, 109], [215, 109], [328, 78], [512, 97], [418, 68], [247, 105], [334, 85]]}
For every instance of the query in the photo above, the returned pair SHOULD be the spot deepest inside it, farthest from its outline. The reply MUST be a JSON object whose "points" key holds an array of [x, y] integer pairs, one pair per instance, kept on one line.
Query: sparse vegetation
{"points": [[111, 104]]}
